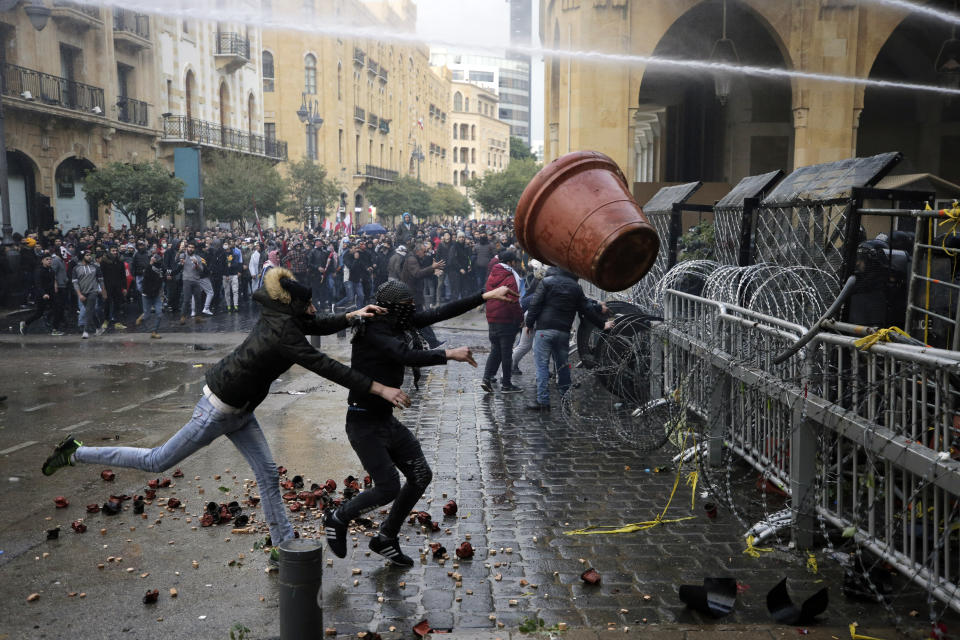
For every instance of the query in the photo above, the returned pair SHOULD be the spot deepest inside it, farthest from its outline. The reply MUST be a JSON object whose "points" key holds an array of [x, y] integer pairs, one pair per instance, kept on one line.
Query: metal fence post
{"points": [[718, 414], [803, 464], [300, 580]]}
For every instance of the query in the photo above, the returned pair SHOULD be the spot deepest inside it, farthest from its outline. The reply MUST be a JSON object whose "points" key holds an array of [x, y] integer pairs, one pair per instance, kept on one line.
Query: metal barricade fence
{"points": [[859, 438]]}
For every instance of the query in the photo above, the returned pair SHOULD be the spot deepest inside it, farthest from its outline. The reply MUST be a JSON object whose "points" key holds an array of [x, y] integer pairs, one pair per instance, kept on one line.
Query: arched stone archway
{"points": [[681, 131], [924, 126], [71, 206]]}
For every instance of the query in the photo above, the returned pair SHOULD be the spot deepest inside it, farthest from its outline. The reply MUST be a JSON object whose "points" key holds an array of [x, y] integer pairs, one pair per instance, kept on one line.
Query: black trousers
{"points": [[502, 335], [385, 445]]}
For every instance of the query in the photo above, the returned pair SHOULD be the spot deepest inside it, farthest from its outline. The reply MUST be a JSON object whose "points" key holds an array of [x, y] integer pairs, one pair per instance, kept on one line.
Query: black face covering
{"points": [[397, 299], [401, 313]]}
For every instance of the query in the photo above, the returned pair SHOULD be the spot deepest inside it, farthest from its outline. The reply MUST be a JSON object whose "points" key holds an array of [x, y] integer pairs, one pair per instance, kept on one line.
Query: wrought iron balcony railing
{"points": [[93, 12], [211, 133], [132, 111], [131, 22], [373, 120], [382, 74], [52, 90], [372, 66], [358, 56], [377, 173], [359, 114], [233, 44], [384, 125]]}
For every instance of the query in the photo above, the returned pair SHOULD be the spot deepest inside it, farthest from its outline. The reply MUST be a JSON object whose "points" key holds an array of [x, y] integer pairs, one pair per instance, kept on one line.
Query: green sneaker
{"points": [[62, 456], [273, 562]]}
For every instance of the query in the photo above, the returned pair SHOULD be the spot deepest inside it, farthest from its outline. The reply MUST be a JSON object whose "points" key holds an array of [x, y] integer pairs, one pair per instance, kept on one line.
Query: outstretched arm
{"points": [[453, 309]]}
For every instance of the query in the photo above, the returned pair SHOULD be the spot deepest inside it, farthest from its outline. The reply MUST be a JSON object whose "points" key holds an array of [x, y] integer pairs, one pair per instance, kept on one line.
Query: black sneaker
{"points": [[389, 548], [487, 385], [336, 534], [509, 388], [62, 456]]}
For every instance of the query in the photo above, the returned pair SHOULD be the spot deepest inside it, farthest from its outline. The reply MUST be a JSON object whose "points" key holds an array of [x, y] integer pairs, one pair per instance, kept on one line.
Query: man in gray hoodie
{"points": [[60, 295], [88, 283]]}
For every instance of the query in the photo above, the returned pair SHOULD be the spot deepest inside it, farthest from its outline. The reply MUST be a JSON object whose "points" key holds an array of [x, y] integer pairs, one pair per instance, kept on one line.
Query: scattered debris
{"points": [[716, 597], [151, 596], [61, 502], [108, 475], [33, 597], [590, 576], [784, 611], [78, 526]]}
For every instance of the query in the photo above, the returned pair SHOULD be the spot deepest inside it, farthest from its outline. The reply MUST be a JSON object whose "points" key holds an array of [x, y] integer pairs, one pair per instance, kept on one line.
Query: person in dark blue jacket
{"points": [[552, 310]]}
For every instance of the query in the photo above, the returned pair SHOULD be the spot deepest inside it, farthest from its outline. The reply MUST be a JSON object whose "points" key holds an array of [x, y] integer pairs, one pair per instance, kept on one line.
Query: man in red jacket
{"points": [[504, 320]]}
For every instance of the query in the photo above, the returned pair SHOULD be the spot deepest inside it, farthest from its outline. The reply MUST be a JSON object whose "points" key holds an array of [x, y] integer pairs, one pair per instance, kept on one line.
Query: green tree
{"points": [[309, 187], [498, 193], [233, 182], [393, 198], [445, 201], [141, 192], [698, 243], [519, 150]]}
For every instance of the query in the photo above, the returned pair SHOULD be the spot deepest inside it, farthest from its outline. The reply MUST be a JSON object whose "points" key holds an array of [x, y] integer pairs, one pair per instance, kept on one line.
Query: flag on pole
{"points": [[326, 225], [348, 224]]}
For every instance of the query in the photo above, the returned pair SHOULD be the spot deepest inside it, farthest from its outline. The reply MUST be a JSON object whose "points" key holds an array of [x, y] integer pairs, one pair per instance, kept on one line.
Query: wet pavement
{"points": [[522, 481]]}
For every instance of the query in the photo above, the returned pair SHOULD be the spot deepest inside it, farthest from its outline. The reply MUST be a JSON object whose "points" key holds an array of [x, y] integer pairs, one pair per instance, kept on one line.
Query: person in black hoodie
{"points": [[46, 287], [115, 282], [382, 347], [151, 285], [240, 382]]}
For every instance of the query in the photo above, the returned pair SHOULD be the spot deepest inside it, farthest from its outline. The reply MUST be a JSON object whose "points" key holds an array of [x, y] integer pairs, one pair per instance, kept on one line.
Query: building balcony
{"points": [[359, 115], [132, 111], [233, 51], [358, 56], [372, 66], [372, 120], [211, 134], [382, 75], [131, 29], [370, 172], [33, 86], [384, 125], [77, 16]]}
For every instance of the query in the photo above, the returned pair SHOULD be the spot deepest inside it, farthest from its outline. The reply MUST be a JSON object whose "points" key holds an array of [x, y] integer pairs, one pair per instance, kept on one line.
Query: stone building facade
{"points": [[481, 142], [664, 124], [76, 95], [383, 111]]}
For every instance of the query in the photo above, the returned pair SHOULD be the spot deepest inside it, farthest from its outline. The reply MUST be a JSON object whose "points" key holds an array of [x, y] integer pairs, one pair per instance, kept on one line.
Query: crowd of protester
{"points": [[92, 280]]}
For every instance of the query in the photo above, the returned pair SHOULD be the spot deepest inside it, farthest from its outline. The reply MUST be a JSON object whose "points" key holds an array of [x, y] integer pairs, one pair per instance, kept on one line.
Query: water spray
{"points": [[258, 19]]}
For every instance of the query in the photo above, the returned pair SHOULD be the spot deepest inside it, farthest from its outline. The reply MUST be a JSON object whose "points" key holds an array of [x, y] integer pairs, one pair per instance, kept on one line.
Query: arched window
{"points": [[454, 154], [339, 80], [466, 104], [458, 101], [251, 108], [473, 132], [473, 156], [310, 74], [454, 132], [267, 71], [455, 178], [190, 88]]}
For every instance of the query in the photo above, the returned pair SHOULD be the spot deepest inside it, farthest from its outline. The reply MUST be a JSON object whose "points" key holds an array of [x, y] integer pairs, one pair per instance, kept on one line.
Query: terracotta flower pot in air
{"points": [[578, 214]]}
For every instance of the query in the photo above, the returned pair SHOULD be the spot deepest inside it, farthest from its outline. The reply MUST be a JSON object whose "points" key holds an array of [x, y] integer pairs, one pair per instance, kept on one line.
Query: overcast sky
{"points": [[484, 22]]}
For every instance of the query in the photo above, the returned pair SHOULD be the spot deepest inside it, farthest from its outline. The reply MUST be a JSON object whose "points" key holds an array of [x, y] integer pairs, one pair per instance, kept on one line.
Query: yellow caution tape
{"points": [[647, 524], [692, 478], [883, 335], [754, 552], [857, 636], [952, 216]]}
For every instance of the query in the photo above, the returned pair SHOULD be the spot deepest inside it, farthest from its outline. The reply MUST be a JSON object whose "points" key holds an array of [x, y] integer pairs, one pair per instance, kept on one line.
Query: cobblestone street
{"points": [[522, 481]]}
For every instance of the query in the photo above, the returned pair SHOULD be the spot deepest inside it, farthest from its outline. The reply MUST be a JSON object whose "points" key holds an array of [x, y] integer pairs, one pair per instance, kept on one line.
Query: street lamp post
{"points": [[309, 114], [38, 14]]}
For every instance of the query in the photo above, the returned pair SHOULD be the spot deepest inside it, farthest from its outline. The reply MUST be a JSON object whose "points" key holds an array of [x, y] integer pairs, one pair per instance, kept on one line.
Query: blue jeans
{"points": [[353, 295], [553, 343], [155, 303], [206, 425]]}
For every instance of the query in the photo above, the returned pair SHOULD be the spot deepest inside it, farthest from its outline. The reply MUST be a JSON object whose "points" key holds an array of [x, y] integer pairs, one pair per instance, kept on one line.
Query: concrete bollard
{"points": [[301, 596]]}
